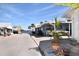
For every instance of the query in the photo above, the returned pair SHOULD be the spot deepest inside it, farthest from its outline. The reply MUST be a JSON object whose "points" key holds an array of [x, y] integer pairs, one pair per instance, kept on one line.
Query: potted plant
{"points": [[56, 39]]}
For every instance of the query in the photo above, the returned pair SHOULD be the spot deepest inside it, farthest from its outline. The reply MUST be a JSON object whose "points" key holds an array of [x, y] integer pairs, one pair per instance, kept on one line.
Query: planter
{"points": [[57, 48]]}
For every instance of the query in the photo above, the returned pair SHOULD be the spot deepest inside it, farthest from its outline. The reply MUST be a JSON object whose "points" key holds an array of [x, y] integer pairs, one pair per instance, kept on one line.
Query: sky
{"points": [[24, 14]]}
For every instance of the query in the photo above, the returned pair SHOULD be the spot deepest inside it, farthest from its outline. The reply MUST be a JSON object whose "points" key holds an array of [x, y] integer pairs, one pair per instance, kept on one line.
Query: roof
{"points": [[7, 25], [37, 25], [68, 14], [46, 24]]}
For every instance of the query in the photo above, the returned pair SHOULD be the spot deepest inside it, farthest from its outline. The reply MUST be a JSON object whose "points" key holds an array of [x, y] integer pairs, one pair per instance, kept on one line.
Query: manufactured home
{"points": [[6, 29], [45, 27]]}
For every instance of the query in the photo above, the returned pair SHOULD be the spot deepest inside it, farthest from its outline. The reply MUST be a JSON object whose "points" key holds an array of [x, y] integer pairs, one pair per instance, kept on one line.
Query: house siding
{"points": [[75, 25]]}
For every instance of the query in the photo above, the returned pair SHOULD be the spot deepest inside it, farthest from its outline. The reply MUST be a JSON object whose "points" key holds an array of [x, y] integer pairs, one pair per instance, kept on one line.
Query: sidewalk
{"points": [[37, 40], [65, 43]]}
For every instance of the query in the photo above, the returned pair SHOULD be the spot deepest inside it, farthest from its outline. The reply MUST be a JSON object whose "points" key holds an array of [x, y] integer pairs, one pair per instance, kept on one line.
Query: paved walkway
{"points": [[18, 45], [65, 43], [37, 40]]}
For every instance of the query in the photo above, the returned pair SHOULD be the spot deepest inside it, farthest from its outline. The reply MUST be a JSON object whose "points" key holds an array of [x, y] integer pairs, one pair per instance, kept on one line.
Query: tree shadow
{"points": [[35, 48]]}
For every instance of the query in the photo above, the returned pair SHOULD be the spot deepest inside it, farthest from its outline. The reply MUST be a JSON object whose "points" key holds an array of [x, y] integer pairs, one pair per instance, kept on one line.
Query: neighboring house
{"points": [[8, 29], [45, 27], [37, 28], [16, 29], [5, 29], [66, 26]]}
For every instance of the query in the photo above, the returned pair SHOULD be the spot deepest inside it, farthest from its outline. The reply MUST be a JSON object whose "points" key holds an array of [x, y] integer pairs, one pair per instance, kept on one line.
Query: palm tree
{"points": [[29, 27], [72, 5], [33, 28], [33, 25], [55, 34], [57, 24], [45, 21], [41, 22]]}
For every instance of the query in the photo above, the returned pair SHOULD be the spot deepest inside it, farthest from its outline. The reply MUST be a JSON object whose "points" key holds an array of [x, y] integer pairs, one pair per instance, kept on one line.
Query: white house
{"points": [[8, 29], [73, 15], [5, 28], [46, 27], [16, 29]]}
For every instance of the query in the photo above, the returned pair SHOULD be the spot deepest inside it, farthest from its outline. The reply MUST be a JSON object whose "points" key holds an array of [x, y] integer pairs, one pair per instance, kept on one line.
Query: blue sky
{"points": [[26, 14]]}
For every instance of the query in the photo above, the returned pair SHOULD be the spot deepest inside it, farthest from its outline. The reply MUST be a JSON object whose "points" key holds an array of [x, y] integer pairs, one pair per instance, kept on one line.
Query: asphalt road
{"points": [[18, 45]]}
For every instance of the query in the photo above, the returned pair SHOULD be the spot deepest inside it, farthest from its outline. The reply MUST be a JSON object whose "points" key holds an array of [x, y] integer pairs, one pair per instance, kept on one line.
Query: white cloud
{"points": [[16, 12], [12, 10], [55, 13], [42, 9], [6, 15]]}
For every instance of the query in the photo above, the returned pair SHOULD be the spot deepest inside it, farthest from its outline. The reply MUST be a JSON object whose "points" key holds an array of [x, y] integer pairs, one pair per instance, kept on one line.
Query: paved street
{"points": [[18, 45]]}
